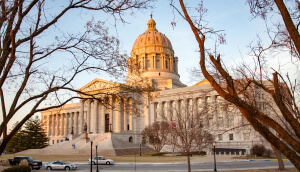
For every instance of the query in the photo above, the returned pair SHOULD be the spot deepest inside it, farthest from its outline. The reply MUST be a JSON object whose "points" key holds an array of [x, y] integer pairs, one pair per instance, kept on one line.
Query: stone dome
{"points": [[152, 41], [152, 57]]}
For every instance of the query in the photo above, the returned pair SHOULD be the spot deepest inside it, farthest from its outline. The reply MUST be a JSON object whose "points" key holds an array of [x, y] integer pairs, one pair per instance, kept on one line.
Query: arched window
{"points": [[130, 139]]}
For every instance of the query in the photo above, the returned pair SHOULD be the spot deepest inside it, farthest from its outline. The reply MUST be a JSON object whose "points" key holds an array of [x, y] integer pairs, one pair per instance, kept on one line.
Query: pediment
{"points": [[202, 82], [99, 84]]}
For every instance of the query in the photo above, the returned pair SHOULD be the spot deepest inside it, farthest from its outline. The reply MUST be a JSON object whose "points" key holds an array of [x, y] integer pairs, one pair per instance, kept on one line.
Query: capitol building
{"points": [[123, 113]]}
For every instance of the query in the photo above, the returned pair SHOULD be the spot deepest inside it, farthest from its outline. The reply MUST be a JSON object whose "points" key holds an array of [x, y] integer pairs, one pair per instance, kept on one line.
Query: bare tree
{"points": [[37, 70], [156, 135], [186, 129], [280, 88]]}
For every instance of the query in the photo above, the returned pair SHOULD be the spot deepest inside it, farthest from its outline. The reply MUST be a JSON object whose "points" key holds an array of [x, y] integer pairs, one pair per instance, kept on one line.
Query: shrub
{"points": [[258, 149], [20, 168], [5, 163], [24, 162], [268, 153]]}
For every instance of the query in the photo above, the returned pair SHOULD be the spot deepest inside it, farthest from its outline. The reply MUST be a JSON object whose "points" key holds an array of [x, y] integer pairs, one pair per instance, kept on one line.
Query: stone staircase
{"points": [[122, 147], [109, 144]]}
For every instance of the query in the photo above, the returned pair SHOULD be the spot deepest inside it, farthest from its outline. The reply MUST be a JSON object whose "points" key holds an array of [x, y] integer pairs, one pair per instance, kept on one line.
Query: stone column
{"points": [[62, 119], [95, 117], [226, 116], [57, 124], [160, 111], [102, 119], [67, 124], [169, 110], [186, 112], [122, 113], [117, 120], [125, 114], [88, 117], [161, 61], [177, 108], [112, 114], [76, 128], [99, 118], [81, 116], [154, 62], [53, 125], [130, 115], [195, 109], [133, 117], [48, 125], [171, 63], [214, 111], [205, 109], [144, 62], [71, 121]]}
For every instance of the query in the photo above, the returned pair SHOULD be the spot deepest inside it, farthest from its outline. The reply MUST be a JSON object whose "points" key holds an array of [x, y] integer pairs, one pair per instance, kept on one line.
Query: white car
{"points": [[101, 160], [59, 165]]}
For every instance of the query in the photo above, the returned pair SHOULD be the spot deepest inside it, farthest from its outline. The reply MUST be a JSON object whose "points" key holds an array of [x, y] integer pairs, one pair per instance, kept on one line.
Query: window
{"points": [[230, 136], [219, 109], [166, 64], [219, 99], [208, 99], [148, 64], [220, 121], [201, 123], [231, 121], [210, 122], [220, 136], [246, 136]]}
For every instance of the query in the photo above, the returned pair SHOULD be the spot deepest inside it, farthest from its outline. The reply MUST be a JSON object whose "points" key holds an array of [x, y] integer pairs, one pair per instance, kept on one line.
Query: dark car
{"points": [[32, 163]]}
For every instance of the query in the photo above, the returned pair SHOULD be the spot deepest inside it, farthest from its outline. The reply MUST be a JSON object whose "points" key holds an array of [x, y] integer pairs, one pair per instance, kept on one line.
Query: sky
{"points": [[232, 17]]}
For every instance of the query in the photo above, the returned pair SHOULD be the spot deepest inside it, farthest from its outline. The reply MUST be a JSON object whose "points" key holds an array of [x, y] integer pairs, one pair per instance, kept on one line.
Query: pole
{"points": [[140, 149], [215, 158], [135, 162], [91, 156], [97, 159]]}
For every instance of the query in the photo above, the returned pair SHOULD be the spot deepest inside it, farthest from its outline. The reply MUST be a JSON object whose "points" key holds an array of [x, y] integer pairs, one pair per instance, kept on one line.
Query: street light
{"points": [[91, 156], [140, 149], [97, 157], [214, 145]]}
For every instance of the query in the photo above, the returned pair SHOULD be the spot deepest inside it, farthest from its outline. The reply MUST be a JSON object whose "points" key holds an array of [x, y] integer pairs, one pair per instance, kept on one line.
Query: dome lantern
{"points": [[151, 24]]}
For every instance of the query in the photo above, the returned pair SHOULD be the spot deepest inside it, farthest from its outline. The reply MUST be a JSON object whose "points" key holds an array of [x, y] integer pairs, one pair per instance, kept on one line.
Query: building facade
{"points": [[126, 113]]}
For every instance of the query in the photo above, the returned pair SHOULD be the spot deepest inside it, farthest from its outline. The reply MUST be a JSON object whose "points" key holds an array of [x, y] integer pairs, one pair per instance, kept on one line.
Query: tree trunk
{"points": [[189, 161], [279, 158]]}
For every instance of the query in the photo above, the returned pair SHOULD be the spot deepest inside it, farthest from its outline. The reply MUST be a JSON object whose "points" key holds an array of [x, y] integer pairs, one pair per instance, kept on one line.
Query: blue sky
{"points": [[233, 17]]}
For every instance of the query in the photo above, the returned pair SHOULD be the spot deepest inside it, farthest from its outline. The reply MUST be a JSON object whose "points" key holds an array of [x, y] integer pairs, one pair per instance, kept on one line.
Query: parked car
{"points": [[101, 160], [59, 165], [32, 163]]}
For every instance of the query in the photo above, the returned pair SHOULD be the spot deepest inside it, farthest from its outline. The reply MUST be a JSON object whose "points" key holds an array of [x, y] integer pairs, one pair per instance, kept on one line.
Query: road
{"points": [[203, 166]]}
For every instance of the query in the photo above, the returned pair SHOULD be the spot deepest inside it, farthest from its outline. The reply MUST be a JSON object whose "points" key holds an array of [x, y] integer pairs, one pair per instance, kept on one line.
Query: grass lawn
{"points": [[265, 170], [84, 158]]}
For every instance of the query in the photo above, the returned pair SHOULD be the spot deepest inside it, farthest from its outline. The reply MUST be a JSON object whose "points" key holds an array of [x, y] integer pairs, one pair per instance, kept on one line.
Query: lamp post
{"points": [[140, 149], [91, 156], [97, 157], [214, 145]]}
